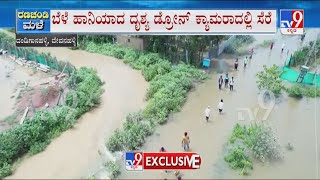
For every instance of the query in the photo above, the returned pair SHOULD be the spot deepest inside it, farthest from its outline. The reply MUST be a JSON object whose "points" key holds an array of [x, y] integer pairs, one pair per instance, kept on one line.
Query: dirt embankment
{"points": [[24, 87]]}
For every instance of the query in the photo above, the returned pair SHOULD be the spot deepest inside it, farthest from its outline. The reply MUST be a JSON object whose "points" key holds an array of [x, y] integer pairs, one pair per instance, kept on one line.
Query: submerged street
{"points": [[293, 120]]}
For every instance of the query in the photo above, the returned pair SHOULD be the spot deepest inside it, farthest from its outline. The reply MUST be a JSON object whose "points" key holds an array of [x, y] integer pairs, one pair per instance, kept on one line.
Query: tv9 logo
{"points": [[134, 161], [291, 22]]}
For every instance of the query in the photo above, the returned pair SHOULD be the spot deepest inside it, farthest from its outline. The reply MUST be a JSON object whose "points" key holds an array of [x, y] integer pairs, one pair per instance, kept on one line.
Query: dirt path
{"points": [[75, 153], [292, 119]]}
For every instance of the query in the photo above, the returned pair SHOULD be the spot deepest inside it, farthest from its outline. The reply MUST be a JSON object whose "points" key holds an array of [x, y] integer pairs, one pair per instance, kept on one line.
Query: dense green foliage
{"points": [[269, 79], [187, 49], [113, 169], [258, 139], [35, 134], [238, 159], [30, 54], [133, 134], [167, 92], [299, 90], [306, 54]]}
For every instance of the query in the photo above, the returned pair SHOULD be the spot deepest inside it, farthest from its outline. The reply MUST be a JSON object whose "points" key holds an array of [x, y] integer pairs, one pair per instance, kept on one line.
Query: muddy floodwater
{"points": [[295, 121], [75, 153]]}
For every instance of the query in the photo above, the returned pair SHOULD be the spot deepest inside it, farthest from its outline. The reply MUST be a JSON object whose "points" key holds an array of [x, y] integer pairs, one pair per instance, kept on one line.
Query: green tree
{"points": [[269, 79]]}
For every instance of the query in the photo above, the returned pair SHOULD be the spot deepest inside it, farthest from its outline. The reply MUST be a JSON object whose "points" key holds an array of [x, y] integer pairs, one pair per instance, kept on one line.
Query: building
{"points": [[130, 41]]}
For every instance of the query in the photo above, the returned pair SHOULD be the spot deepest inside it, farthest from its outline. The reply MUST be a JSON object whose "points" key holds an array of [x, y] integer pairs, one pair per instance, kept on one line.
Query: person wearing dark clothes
{"points": [[236, 64], [163, 150], [251, 54], [231, 84], [220, 81], [226, 81], [271, 46]]}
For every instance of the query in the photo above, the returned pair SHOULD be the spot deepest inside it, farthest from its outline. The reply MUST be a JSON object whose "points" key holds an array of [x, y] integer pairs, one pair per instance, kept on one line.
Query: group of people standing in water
{"points": [[228, 83]]}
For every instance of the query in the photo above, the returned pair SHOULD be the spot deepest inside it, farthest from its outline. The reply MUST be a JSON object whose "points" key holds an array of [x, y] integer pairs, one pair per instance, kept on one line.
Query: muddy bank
{"points": [[13, 79], [75, 153], [293, 120]]}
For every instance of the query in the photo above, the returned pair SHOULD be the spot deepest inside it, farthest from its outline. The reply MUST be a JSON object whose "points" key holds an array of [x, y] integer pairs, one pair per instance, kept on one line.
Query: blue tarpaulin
{"points": [[206, 63]]}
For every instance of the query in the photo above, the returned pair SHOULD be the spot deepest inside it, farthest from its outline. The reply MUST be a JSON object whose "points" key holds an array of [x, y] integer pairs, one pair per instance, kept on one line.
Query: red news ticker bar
{"points": [[171, 161]]}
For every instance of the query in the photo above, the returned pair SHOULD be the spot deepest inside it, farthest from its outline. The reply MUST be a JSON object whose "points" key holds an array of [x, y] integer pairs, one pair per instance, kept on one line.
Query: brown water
{"points": [[294, 121], [75, 153]]}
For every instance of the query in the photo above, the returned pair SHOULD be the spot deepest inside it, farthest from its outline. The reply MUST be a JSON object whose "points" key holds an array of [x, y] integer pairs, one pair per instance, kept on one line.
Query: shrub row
{"points": [[298, 91], [30, 54], [300, 56], [256, 139], [167, 92], [35, 134]]}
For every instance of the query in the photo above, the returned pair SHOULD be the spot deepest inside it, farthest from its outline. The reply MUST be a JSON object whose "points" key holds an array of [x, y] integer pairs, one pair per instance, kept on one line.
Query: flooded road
{"points": [[293, 120], [74, 154]]}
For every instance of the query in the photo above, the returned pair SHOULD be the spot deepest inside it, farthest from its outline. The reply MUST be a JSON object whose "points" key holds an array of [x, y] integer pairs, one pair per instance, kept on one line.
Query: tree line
{"points": [[175, 48]]}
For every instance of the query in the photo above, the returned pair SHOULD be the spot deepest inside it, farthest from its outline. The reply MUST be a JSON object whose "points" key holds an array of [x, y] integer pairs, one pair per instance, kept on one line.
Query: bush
{"points": [[258, 139], [311, 91], [5, 170], [132, 136], [295, 91], [38, 147], [113, 169], [269, 79], [298, 91], [238, 159], [159, 68], [131, 56], [300, 56]]}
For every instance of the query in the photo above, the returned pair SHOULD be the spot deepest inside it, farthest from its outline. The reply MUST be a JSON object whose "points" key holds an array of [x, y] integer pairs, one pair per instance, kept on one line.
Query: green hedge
{"points": [[298, 91], [35, 134], [167, 92]]}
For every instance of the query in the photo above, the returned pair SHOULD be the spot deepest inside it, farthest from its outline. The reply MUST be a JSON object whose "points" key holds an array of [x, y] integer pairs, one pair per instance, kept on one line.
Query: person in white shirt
{"points": [[207, 113], [282, 48], [245, 62], [220, 106], [231, 83]]}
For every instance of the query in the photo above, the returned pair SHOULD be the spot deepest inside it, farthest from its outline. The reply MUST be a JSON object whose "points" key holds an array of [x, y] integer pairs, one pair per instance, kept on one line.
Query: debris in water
{"points": [[289, 146]]}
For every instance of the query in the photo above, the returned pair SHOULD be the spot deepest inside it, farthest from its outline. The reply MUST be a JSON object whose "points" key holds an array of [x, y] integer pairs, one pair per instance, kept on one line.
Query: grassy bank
{"points": [[169, 85], [36, 132]]}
